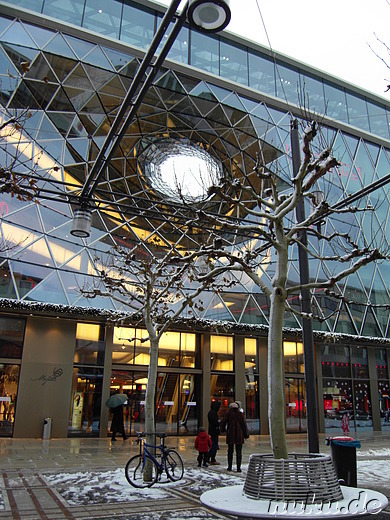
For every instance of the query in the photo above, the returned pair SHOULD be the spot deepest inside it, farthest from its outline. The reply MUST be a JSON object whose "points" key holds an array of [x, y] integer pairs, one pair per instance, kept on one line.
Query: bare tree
{"points": [[148, 280], [268, 213]]}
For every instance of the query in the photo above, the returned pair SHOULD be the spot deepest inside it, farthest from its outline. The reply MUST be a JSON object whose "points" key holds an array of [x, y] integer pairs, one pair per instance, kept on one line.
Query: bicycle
{"points": [[167, 460]]}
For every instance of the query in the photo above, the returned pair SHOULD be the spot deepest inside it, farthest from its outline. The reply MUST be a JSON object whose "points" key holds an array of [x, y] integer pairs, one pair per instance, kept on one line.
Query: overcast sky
{"points": [[331, 35]]}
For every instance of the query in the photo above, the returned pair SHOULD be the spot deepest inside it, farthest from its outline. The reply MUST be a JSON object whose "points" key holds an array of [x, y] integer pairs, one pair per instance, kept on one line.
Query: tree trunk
{"points": [[151, 392], [276, 391]]}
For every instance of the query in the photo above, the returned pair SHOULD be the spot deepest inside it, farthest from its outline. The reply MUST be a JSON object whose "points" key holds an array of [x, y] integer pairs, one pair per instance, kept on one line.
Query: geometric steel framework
{"points": [[73, 89]]}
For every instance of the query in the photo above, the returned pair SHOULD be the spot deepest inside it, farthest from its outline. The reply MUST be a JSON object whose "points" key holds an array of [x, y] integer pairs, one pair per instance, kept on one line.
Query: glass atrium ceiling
{"points": [[72, 89]]}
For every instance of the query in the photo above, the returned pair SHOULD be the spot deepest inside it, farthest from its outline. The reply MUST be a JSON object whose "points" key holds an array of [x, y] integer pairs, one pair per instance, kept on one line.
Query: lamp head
{"points": [[81, 226], [209, 15]]}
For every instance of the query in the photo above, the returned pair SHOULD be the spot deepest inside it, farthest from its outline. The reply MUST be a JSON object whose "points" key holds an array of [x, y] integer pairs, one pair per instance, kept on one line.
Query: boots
{"points": [[238, 459], [230, 460]]}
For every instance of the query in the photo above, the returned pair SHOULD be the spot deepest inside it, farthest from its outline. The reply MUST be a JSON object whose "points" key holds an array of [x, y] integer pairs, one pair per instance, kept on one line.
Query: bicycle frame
{"points": [[144, 451]]}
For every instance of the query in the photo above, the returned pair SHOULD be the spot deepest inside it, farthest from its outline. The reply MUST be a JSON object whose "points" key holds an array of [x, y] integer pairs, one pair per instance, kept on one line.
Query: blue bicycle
{"points": [[145, 469]]}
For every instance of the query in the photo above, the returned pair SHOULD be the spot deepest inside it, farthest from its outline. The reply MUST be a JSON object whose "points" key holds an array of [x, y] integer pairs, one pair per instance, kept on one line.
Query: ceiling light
{"points": [[209, 15]]}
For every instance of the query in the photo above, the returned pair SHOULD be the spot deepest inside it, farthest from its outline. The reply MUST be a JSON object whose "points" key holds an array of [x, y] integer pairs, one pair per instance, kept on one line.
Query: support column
{"points": [[372, 372], [106, 380], [206, 390], [239, 369]]}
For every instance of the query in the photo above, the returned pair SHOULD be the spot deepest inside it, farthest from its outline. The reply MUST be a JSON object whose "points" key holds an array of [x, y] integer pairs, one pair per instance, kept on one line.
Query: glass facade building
{"points": [[65, 68]]}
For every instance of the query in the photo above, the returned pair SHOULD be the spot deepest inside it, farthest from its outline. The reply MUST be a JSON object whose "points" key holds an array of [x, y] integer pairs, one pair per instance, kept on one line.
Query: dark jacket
{"points": [[213, 419], [203, 442], [117, 419], [234, 423]]}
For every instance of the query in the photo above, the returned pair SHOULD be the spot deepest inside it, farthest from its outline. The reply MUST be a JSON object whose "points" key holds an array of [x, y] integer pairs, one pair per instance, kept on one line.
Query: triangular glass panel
{"points": [[79, 79], [344, 324], [54, 220], [383, 166], [364, 169], [117, 58], [21, 218], [77, 129], [204, 106], [49, 291], [79, 47], [370, 326], [36, 71], [16, 34], [7, 288], [36, 253], [80, 146], [169, 81], [217, 310], [252, 314], [47, 130], [6, 65], [98, 77], [28, 276], [61, 66], [4, 24], [42, 95], [114, 87], [39, 34], [8, 86], [202, 91], [233, 100], [59, 46], [21, 57], [78, 97]]}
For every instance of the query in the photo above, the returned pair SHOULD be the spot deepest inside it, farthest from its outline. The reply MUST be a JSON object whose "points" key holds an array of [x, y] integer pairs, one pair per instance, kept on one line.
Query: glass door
{"points": [[9, 380], [295, 405]]}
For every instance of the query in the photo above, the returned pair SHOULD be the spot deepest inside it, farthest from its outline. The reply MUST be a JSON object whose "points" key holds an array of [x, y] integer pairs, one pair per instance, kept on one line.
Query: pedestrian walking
{"points": [[213, 430], [234, 423], [117, 424], [202, 444]]}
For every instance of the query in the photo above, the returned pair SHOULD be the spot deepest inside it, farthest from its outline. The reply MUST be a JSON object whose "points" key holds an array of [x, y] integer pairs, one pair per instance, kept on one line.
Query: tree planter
{"points": [[308, 478]]}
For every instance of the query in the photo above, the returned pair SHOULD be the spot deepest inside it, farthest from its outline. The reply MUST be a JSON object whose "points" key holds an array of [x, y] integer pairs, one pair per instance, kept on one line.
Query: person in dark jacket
{"points": [[213, 420], [117, 425], [202, 444], [234, 423]]}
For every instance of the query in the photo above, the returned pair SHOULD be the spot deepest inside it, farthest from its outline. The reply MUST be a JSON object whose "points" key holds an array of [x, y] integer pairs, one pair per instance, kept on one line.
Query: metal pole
{"points": [[111, 138], [307, 329]]}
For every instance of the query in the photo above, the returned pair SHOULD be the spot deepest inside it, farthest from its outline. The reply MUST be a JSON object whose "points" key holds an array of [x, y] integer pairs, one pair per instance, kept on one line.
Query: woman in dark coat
{"points": [[117, 425], [213, 420], [234, 424]]}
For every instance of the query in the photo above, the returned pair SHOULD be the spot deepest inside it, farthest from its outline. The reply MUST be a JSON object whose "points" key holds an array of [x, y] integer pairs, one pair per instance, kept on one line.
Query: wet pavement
{"points": [[84, 478]]}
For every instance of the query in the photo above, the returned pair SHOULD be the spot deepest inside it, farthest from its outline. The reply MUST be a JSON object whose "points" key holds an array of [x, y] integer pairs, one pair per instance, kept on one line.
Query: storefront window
{"points": [[86, 401], [251, 407], [222, 390], [295, 405], [11, 338], [293, 357], [221, 350], [9, 380], [89, 344], [346, 392], [131, 346], [177, 401], [383, 387]]}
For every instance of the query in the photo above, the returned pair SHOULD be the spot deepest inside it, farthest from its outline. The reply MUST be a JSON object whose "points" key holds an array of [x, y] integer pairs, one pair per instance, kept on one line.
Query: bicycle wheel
{"points": [[137, 474], [174, 467]]}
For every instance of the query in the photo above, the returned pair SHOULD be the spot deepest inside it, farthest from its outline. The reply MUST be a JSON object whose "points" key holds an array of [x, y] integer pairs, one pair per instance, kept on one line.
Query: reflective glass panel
{"points": [[11, 337], [103, 17], [357, 111], [9, 382], [222, 390], [89, 344], [293, 357], [384, 404], [204, 52], [379, 122], [295, 405], [70, 11], [338, 405], [312, 93], [234, 62], [381, 364], [261, 73], [86, 401], [137, 26], [221, 351], [363, 413], [335, 361], [359, 362], [287, 83], [34, 5], [336, 105]]}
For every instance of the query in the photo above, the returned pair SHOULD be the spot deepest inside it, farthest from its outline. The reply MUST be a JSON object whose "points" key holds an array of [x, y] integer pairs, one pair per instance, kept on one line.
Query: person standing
{"points": [[213, 421], [202, 444], [117, 425], [234, 423]]}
